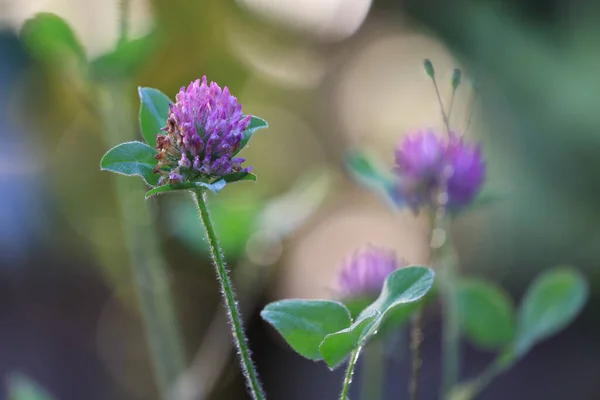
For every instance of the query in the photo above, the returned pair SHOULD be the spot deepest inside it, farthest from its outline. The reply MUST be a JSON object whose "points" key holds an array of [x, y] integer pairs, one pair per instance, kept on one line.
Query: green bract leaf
{"points": [[154, 111], [49, 38], [132, 158], [368, 174], [305, 323], [550, 304], [256, 123], [214, 187], [126, 60], [401, 290], [239, 176], [487, 314], [23, 388]]}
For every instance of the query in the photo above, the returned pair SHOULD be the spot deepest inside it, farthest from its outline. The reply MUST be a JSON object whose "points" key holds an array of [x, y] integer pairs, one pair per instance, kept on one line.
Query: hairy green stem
{"points": [[233, 312], [349, 373], [373, 370]]}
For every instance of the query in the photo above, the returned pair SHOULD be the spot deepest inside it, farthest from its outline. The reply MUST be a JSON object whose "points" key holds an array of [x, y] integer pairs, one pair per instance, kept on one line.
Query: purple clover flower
{"points": [[204, 129], [422, 159], [420, 163], [366, 270], [468, 171]]}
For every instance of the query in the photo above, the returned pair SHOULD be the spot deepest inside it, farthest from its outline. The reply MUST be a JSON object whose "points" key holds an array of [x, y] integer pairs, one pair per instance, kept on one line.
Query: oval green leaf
{"points": [[132, 158], [154, 111], [215, 187], [486, 314], [401, 289], [305, 323], [256, 123], [50, 38], [552, 301], [126, 59]]}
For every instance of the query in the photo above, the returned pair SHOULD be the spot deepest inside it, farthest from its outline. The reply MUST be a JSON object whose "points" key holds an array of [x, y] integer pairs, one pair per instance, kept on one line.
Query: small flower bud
{"points": [[429, 68], [366, 270], [456, 77]]}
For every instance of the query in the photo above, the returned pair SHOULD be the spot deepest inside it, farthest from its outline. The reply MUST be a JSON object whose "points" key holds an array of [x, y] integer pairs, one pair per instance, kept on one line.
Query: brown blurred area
{"points": [[328, 76]]}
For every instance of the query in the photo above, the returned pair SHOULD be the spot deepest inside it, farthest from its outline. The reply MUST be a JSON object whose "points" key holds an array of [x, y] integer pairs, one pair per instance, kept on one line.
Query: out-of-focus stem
{"points": [[416, 337], [372, 370], [124, 12], [147, 264]]}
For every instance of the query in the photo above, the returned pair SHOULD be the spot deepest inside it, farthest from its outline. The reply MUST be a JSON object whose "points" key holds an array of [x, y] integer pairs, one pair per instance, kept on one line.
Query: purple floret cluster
{"points": [[428, 165], [366, 270], [204, 130]]}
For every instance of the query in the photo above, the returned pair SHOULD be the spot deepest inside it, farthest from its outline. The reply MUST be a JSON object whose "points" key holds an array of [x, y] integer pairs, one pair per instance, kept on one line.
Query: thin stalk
{"points": [[235, 319], [470, 390], [416, 336], [443, 258], [439, 97], [472, 107], [373, 370], [349, 374], [450, 108], [124, 12]]}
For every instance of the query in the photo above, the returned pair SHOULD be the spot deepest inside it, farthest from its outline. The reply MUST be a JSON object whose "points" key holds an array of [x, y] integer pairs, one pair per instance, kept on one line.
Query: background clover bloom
{"points": [[204, 129], [365, 271], [423, 158]]}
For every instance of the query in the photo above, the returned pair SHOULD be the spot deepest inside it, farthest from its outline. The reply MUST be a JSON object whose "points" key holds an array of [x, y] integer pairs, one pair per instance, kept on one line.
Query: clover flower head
{"points": [[425, 162], [204, 131], [365, 271], [468, 171]]}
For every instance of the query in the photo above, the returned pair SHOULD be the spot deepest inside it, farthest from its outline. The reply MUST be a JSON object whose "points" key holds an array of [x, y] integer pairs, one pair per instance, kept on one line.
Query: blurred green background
{"points": [[328, 76]]}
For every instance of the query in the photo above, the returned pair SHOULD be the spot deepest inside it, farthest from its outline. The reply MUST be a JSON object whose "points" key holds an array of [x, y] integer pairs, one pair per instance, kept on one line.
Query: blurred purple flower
{"points": [[423, 158], [366, 270], [468, 171], [204, 129], [420, 163]]}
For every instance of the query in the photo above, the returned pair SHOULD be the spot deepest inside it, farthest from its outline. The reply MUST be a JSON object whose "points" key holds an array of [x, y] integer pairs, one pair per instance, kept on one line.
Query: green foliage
{"points": [[365, 171], [22, 388], [338, 346], [256, 123], [305, 323], [214, 187], [487, 314], [401, 290], [126, 59], [131, 158], [552, 301], [154, 111], [50, 39]]}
